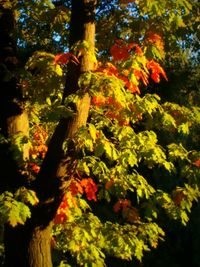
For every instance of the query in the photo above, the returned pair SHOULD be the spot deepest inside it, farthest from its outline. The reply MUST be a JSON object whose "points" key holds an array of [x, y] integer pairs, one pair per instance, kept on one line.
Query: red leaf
{"points": [[98, 100], [132, 88], [197, 163], [155, 39], [60, 218], [109, 184], [90, 188], [121, 204], [140, 74], [75, 188], [61, 215], [65, 58], [156, 77], [156, 70], [34, 167], [120, 52], [109, 69], [138, 50]]}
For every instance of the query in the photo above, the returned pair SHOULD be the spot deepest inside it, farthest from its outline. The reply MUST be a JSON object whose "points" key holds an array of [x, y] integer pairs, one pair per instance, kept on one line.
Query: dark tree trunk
{"points": [[30, 245]]}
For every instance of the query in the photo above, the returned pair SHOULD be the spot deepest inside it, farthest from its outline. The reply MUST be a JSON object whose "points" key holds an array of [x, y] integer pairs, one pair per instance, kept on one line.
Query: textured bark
{"points": [[34, 237], [13, 118], [40, 247]]}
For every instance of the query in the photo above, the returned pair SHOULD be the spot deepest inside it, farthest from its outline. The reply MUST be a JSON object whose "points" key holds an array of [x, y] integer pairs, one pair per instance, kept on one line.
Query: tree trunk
{"points": [[40, 247], [13, 121], [30, 245]]}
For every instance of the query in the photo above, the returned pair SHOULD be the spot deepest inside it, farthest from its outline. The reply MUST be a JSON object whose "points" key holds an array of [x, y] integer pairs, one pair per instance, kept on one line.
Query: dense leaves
{"points": [[136, 161]]}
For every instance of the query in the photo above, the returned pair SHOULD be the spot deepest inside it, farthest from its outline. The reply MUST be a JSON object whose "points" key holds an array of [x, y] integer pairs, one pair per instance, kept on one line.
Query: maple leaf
{"points": [[132, 87], [197, 163], [178, 197], [109, 70], [156, 71], [124, 122], [90, 188], [120, 51], [62, 211], [140, 74], [155, 39], [98, 100], [117, 207], [64, 58], [60, 218], [75, 188], [138, 50], [112, 115], [121, 204], [39, 147], [109, 184], [34, 167], [131, 214]]}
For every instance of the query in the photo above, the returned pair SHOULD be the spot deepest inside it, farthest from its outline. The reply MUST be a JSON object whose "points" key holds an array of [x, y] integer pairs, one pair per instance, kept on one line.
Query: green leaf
{"points": [[58, 70], [92, 131], [12, 211], [86, 168], [18, 213], [26, 196]]}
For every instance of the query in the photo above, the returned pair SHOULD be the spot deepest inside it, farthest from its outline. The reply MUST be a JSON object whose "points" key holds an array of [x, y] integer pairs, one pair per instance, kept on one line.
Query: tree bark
{"points": [[40, 247], [13, 118], [30, 245]]}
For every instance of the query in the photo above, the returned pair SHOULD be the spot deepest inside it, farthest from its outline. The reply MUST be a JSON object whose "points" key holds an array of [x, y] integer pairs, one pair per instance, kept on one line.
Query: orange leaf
{"points": [[60, 218], [109, 184], [155, 39], [34, 167], [90, 188], [121, 204], [120, 52], [156, 70], [65, 58], [98, 100], [75, 188], [197, 163], [156, 77]]}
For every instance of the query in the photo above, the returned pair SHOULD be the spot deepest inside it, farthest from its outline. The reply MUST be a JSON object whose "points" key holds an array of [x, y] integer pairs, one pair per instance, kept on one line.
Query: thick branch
{"points": [[49, 183]]}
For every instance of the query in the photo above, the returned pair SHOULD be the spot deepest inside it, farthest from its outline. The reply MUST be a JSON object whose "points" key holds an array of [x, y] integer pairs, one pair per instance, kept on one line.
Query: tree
{"points": [[87, 168]]}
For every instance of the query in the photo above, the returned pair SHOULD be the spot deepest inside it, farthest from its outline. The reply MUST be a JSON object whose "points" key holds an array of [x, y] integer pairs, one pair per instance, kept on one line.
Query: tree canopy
{"points": [[99, 128]]}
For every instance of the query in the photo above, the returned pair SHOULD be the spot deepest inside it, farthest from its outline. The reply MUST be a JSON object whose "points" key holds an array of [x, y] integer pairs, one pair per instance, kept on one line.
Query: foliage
{"points": [[137, 158], [14, 207], [116, 152]]}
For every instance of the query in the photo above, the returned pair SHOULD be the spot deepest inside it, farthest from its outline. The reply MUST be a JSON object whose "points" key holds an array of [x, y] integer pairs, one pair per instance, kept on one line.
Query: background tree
{"points": [[104, 161]]}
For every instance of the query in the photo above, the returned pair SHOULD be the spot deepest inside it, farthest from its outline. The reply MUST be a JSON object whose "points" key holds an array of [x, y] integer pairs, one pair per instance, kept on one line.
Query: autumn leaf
{"points": [[34, 167], [156, 71], [62, 212], [98, 100], [156, 39], [109, 184], [109, 69], [75, 188], [197, 163], [90, 188], [65, 58], [120, 51], [121, 204]]}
